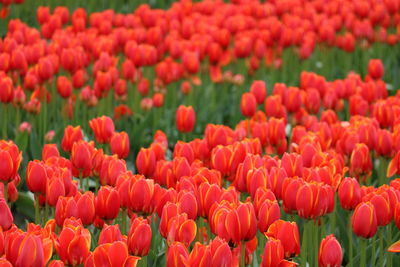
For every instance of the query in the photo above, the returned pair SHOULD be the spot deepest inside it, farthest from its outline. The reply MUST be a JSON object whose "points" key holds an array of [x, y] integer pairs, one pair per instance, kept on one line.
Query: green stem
{"points": [[380, 247], [81, 181], [382, 170], [123, 221], [304, 249], [37, 208], [46, 213], [363, 247], [243, 255], [389, 241], [350, 235], [373, 258], [5, 191], [4, 119]]}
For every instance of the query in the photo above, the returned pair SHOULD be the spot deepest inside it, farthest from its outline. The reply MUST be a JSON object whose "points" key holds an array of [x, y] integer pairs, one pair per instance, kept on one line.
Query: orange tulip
{"points": [[360, 161], [273, 253], [259, 90], [181, 229], [64, 86], [268, 213], [81, 158]]}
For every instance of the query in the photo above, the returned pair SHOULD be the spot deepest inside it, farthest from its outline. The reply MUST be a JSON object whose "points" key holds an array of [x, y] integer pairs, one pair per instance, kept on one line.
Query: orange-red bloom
{"points": [[288, 234], [139, 237], [185, 118], [364, 221], [119, 144], [330, 252], [103, 129]]}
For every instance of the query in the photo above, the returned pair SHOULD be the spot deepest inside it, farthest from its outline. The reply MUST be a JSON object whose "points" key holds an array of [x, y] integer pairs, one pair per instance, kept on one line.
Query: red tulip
{"points": [[103, 128], [360, 161], [375, 68], [36, 177], [177, 255], [288, 234], [81, 158], [6, 217], [364, 221], [107, 203], [141, 194], [259, 90], [268, 213], [248, 104], [110, 234], [73, 243], [24, 249], [119, 144], [111, 254], [349, 193], [185, 119], [64, 86], [71, 135], [146, 162], [139, 237], [330, 252], [10, 158]]}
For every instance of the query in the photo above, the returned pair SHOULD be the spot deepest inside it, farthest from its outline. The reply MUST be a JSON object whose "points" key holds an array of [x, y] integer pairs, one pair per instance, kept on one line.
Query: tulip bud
{"points": [[139, 237], [364, 221], [185, 119], [330, 252], [119, 144], [248, 104], [103, 129]]}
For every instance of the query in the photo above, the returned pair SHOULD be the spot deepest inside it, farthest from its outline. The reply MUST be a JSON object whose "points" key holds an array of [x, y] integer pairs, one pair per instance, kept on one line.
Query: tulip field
{"points": [[200, 133]]}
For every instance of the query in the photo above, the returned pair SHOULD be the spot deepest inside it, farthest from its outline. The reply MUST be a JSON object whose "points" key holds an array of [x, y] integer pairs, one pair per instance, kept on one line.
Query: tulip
{"points": [[6, 90], [107, 203], [119, 144], [139, 237], [64, 86], [6, 217], [259, 90], [364, 221], [330, 252], [56, 263], [141, 194], [10, 158], [24, 248], [269, 212], [50, 150], [177, 255], [349, 193], [273, 253], [288, 234], [375, 69], [111, 254], [103, 129], [81, 158], [185, 118], [71, 135], [360, 161], [85, 208], [73, 243], [181, 229], [248, 104], [36, 177], [146, 162], [110, 234]]}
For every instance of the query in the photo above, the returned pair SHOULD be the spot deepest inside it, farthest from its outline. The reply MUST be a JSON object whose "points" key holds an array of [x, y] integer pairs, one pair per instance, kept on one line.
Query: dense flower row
{"points": [[217, 199]]}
